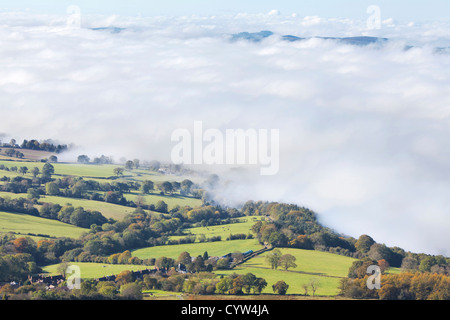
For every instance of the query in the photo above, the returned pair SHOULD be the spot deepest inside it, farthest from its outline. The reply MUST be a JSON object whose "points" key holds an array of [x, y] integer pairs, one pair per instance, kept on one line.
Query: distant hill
{"points": [[259, 36]]}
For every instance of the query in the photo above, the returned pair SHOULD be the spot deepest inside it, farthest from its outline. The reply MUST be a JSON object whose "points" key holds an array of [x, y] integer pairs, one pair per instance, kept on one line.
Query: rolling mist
{"points": [[364, 130]]}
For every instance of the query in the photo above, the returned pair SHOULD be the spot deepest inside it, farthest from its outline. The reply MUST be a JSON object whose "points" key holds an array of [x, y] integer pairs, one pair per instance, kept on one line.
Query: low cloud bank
{"points": [[364, 131]]}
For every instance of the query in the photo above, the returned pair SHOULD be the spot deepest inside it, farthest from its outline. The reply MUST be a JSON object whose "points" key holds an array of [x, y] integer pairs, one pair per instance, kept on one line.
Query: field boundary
{"points": [[254, 254]]}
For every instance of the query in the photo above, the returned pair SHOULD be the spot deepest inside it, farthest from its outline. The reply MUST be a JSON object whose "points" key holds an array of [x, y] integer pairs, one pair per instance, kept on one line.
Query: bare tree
{"points": [[305, 287], [314, 283]]}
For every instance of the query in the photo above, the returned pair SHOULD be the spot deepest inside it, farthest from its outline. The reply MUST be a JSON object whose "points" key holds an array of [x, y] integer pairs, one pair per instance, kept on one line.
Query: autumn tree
{"points": [[83, 159], [131, 291], [166, 187], [161, 206], [147, 186], [124, 257], [24, 245], [224, 285], [124, 277], [184, 258], [248, 282], [273, 258], [259, 285], [129, 165], [364, 243], [164, 262], [62, 268], [288, 261], [51, 189], [118, 171], [280, 287], [35, 171], [48, 170]]}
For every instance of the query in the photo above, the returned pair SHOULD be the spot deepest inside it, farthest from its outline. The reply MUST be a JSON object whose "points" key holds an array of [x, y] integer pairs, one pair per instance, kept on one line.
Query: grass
{"points": [[34, 155], [326, 268], [171, 200], [97, 172], [219, 248], [84, 170], [142, 175], [162, 295], [242, 226], [108, 210], [312, 261], [393, 270], [327, 286], [68, 169], [96, 270], [24, 224]]}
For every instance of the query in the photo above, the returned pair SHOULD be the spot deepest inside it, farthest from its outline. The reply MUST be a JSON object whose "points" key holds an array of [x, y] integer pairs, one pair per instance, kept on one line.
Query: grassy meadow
{"points": [[242, 226], [218, 248], [325, 268], [102, 174], [96, 270], [24, 224]]}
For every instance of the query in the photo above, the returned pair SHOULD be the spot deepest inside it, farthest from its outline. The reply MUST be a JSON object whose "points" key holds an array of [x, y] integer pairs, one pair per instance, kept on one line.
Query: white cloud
{"points": [[364, 130]]}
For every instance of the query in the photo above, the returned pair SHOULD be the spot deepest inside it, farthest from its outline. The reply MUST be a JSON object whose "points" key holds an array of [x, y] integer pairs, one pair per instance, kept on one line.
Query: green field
{"points": [[96, 270], [101, 173], [98, 172], [34, 155], [243, 226], [108, 210], [219, 248], [170, 200], [68, 169], [24, 224], [310, 261], [327, 286], [162, 295], [326, 268]]}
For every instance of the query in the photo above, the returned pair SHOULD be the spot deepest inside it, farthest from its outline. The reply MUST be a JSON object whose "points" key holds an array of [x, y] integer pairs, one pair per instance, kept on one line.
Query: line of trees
{"points": [[403, 286], [46, 145], [67, 214]]}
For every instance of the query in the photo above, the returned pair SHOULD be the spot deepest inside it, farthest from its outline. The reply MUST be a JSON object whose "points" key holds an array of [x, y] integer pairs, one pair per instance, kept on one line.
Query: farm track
{"points": [[254, 254]]}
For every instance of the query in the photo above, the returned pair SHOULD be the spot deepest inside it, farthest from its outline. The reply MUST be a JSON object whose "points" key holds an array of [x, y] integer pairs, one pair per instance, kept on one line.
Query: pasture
{"points": [[323, 267], [24, 224], [218, 248], [241, 226], [96, 270]]}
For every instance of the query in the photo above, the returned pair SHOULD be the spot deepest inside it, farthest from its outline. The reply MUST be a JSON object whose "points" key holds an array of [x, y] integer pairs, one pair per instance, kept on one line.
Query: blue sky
{"points": [[401, 10]]}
